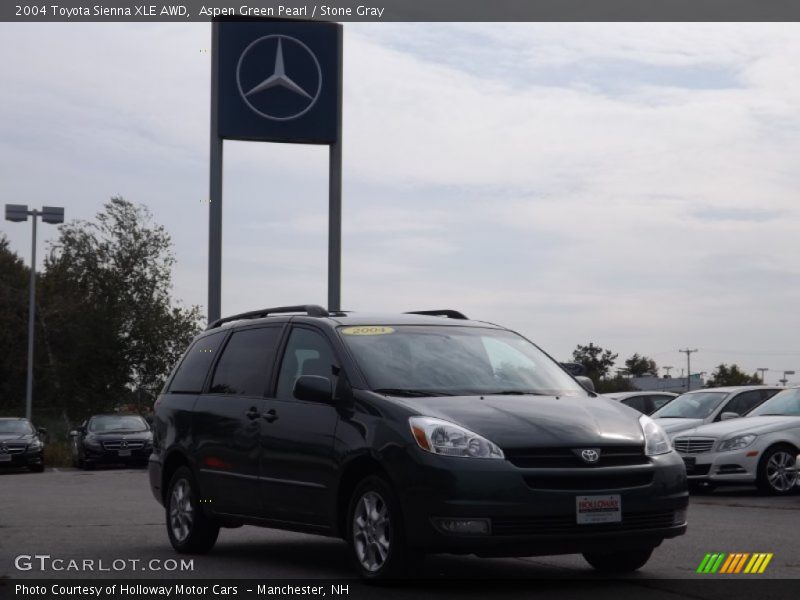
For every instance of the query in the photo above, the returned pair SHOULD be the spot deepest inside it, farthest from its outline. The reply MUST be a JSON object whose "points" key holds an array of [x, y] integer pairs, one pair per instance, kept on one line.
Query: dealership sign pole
{"points": [[275, 81]]}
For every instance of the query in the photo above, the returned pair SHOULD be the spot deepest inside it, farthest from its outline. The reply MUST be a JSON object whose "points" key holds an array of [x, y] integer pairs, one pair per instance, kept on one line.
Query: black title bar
{"points": [[404, 10]]}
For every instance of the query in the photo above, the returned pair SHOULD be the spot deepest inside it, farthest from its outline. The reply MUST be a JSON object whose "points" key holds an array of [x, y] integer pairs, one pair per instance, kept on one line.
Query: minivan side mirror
{"points": [[586, 382], [726, 416], [313, 388]]}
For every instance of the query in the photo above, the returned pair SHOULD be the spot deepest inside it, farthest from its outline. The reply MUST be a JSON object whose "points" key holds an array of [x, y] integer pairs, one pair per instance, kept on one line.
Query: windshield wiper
{"points": [[410, 393]]}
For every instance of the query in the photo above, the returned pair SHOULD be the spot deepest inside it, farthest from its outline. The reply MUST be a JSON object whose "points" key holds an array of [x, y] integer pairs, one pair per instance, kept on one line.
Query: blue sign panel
{"points": [[279, 81]]}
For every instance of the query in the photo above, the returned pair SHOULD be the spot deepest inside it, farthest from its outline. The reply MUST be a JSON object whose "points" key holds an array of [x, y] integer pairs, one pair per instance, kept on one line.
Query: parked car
{"points": [[760, 448], [406, 434], [21, 444], [709, 405], [645, 402], [114, 438]]}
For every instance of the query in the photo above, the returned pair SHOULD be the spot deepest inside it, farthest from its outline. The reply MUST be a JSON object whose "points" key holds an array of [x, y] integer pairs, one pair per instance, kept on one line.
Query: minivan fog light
{"points": [[464, 526]]}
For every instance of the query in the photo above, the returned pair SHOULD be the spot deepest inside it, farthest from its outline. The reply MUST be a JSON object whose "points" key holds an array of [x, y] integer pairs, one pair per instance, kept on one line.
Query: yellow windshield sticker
{"points": [[367, 330]]}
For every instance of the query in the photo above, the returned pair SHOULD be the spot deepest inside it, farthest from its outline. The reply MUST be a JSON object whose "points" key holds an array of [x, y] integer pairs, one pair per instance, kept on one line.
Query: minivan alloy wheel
{"points": [[780, 471], [372, 531], [181, 513]]}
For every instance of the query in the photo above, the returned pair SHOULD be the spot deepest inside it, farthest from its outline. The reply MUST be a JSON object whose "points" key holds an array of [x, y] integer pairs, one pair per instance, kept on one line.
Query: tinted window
{"points": [[637, 402], [192, 372], [744, 402], [307, 353], [659, 401], [246, 362]]}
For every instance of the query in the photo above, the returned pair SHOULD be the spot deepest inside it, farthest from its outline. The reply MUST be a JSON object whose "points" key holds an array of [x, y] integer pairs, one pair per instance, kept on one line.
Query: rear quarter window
{"points": [[191, 373]]}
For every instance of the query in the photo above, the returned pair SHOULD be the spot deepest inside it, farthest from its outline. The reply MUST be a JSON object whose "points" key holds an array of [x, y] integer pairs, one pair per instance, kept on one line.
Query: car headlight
{"points": [[442, 437], [91, 442], [35, 445], [656, 440], [736, 443]]}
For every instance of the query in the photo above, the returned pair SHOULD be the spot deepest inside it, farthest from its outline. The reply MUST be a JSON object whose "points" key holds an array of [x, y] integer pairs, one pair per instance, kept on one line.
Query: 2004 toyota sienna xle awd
{"points": [[405, 435]]}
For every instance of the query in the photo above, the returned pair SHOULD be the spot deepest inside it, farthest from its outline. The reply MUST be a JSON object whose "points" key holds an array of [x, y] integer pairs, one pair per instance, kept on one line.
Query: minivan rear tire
{"points": [[619, 562], [189, 529], [375, 532]]}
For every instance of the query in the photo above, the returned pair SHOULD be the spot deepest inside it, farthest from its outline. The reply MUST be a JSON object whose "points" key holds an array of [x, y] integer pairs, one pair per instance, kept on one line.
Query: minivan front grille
{"points": [[569, 457], [603, 481], [689, 445], [567, 524]]}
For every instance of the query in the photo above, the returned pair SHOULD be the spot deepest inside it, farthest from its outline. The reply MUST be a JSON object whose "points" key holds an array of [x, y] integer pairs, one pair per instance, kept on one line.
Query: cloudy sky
{"points": [[636, 186]]}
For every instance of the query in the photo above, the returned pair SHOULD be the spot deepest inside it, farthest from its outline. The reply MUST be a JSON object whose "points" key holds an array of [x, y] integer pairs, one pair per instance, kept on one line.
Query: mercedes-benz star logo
{"points": [[281, 95], [590, 455], [123, 444]]}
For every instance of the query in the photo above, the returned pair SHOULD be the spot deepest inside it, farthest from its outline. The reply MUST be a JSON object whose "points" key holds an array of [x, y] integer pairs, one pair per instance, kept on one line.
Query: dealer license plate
{"points": [[5, 458], [126, 452], [599, 509]]}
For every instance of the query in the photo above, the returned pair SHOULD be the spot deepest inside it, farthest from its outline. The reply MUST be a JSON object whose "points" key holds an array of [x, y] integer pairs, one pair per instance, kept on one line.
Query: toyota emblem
{"points": [[590, 455]]}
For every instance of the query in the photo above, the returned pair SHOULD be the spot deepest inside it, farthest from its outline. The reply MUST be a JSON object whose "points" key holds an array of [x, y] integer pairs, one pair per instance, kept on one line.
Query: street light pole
{"points": [[688, 353], [49, 214], [31, 320], [762, 370]]}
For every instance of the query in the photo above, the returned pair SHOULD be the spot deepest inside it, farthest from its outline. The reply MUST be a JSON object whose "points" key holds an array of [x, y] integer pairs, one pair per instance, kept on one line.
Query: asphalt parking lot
{"points": [[110, 514]]}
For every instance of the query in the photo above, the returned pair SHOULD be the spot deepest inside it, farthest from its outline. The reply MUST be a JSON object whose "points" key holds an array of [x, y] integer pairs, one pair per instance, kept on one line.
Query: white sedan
{"points": [[760, 448]]}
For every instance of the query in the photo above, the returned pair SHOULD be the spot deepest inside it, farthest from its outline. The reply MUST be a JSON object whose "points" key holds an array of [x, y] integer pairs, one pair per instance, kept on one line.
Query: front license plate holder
{"points": [[5, 458], [124, 453], [598, 509]]}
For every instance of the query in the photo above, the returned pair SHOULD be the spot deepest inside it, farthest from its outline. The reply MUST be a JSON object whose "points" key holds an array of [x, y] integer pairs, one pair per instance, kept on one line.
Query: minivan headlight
{"points": [[656, 440], [442, 437], [737, 443]]}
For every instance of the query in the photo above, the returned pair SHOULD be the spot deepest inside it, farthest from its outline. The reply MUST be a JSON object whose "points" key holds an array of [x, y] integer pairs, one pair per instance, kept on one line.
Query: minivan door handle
{"points": [[270, 416], [252, 413]]}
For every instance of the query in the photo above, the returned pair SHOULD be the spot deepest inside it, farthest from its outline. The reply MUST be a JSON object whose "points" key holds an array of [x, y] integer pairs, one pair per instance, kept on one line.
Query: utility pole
{"points": [[688, 353], [667, 369], [762, 370]]}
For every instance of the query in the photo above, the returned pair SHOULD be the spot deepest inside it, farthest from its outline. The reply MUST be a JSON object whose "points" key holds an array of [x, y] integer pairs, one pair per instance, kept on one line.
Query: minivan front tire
{"points": [[619, 562], [190, 531], [375, 532]]}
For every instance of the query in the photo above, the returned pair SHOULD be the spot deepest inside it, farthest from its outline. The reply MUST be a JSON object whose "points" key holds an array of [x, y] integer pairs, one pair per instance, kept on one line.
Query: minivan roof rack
{"points": [[445, 312], [312, 310]]}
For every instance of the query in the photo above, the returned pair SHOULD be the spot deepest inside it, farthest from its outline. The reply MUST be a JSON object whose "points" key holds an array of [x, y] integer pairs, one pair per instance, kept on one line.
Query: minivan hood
{"points": [[757, 425], [537, 421], [677, 424]]}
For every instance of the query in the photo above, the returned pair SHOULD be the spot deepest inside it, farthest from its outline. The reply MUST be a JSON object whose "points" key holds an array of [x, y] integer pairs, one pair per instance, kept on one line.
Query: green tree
{"points": [[641, 366], [110, 329], [13, 329], [733, 375], [595, 360]]}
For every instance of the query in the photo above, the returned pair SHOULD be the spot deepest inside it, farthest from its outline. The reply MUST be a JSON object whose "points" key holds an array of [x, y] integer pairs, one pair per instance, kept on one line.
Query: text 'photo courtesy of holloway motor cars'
{"points": [[406, 434]]}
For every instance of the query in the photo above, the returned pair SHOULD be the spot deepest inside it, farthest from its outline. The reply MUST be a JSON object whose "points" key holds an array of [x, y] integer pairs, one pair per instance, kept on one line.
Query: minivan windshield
{"points": [[454, 360], [785, 403], [117, 423], [693, 405]]}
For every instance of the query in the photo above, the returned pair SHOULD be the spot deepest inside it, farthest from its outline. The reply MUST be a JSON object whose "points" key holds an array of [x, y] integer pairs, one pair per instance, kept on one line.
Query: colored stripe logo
{"points": [[734, 563]]}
